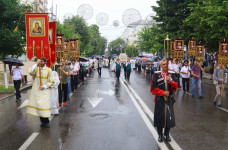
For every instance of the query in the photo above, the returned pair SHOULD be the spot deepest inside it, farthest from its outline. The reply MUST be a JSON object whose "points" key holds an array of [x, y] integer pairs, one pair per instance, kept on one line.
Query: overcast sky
{"points": [[113, 8]]}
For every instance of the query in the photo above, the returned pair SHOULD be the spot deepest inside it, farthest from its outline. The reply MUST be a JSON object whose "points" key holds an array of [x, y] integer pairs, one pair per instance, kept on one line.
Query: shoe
{"points": [[214, 103], [72, 91], [160, 138], [60, 104], [47, 125], [167, 137], [17, 99], [200, 97], [220, 106], [64, 103], [193, 96]]}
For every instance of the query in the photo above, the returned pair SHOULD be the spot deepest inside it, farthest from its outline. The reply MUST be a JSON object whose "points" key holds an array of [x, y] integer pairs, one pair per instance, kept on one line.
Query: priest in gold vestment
{"points": [[40, 97]]}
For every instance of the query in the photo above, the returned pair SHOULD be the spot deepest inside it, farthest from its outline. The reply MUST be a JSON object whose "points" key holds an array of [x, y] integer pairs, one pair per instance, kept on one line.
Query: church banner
{"points": [[52, 42], [223, 52], [65, 50], [59, 45], [200, 52], [192, 47], [179, 48], [37, 35], [172, 48], [73, 48]]}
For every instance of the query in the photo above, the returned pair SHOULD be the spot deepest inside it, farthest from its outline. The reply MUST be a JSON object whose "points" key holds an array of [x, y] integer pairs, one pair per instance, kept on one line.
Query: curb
{"points": [[22, 89]]}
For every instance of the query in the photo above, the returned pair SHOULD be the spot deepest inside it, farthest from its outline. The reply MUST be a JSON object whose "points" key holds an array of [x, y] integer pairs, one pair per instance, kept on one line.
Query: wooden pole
{"points": [[60, 76], [223, 81]]}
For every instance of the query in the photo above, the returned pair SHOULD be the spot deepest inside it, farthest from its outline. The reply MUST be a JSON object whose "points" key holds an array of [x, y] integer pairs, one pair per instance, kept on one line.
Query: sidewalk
{"points": [[207, 77]]}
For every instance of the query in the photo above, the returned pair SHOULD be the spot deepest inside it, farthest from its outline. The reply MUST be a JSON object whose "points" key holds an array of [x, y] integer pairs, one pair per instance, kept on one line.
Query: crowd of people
{"points": [[51, 89]]}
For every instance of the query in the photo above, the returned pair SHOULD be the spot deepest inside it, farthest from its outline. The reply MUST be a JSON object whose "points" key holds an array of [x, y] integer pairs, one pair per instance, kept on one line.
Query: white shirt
{"points": [[17, 73], [171, 66], [176, 67], [185, 70], [34, 67], [76, 68]]}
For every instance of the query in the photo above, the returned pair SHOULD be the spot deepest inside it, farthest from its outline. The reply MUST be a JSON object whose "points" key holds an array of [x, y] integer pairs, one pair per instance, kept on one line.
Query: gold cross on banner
{"points": [[46, 47], [53, 53], [30, 47], [38, 47]]}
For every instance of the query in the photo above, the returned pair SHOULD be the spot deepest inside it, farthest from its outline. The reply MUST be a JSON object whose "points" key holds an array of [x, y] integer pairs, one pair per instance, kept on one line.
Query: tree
{"points": [[131, 51], [209, 18], [115, 46], [12, 43], [151, 39], [171, 15]]}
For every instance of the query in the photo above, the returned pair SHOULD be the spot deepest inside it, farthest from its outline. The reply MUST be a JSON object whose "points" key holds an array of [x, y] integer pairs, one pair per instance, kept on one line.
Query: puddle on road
{"points": [[98, 116]]}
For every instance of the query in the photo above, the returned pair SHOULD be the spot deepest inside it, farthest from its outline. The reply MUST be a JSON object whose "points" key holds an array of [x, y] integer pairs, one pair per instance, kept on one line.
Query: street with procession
{"points": [[106, 114]]}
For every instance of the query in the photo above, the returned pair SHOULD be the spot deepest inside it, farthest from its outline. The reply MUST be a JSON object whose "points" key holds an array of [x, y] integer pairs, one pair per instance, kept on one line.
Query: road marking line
{"points": [[145, 119], [28, 141], [223, 109], [150, 114]]}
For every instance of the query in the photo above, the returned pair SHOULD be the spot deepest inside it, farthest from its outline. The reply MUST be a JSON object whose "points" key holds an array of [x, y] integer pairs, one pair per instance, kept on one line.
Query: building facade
{"points": [[130, 35]]}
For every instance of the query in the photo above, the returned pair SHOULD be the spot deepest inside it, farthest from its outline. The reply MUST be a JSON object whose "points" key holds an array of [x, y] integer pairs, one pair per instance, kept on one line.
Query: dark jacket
{"points": [[163, 111]]}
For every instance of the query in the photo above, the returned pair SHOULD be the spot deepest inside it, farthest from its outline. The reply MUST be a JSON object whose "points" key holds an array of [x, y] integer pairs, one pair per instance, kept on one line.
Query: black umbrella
{"points": [[82, 59], [12, 61]]}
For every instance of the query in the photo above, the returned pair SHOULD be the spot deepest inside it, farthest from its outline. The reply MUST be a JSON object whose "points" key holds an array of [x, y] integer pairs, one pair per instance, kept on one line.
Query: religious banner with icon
{"points": [[37, 35], [77, 50], [73, 48], [172, 48], [200, 52], [192, 47], [223, 52], [65, 50], [179, 48], [59, 46], [52, 42]]}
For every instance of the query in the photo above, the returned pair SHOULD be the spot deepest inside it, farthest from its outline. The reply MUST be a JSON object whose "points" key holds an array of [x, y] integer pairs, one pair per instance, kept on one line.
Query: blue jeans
{"points": [[68, 86], [196, 82]]}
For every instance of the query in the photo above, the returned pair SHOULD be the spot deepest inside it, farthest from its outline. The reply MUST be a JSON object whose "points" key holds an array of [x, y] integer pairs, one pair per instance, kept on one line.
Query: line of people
{"points": [[52, 89]]}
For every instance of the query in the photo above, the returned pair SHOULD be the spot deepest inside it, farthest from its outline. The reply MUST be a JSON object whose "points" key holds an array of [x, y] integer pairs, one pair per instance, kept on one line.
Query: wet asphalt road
{"points": [[114, 124]]}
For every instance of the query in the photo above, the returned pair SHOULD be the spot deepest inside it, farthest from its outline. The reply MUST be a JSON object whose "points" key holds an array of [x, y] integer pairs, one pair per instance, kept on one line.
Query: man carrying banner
{"points": [[218, 80], [39, 100]]}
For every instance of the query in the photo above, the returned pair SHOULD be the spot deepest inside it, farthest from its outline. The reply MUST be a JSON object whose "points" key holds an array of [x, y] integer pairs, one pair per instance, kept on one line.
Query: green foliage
{"points": [[12, 43], [209, 18], [131, 51], [3, 89], [91, 43], [151, 39], [115, 46]]}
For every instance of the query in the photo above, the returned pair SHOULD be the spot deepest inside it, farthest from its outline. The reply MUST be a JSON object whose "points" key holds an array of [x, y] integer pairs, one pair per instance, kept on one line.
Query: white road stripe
{"points": [[223, 109], [35, 134], [28, 141], [151, 115], [145, 119]]}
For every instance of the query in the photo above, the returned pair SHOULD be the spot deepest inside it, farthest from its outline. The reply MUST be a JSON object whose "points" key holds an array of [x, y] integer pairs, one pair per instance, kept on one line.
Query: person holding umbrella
{"points": [[17, 74]]}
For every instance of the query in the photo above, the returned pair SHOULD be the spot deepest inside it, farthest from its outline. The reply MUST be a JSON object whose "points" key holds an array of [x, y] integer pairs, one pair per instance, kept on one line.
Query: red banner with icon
{"points": [[37, 35], [52, 42]]}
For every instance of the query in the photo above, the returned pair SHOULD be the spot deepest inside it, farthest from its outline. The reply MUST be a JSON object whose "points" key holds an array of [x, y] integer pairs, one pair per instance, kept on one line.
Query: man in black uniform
{"points": [[163, 111]]}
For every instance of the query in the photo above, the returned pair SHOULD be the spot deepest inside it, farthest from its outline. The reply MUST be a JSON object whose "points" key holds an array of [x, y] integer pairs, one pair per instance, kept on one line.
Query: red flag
{"points": [[52, 42], [37, 35]]}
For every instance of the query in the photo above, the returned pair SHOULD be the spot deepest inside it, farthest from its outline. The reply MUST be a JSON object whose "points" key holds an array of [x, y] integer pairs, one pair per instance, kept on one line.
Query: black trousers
{"points": [[74, 82], [64, 89], [159, 129], [44, 120], [128, 74], [118, 74], [99, 70], [17, 84], [178, 79], [125, 74], [185, 80]]}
